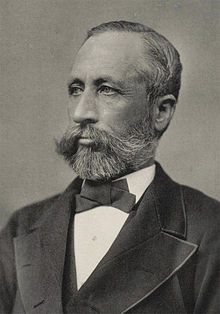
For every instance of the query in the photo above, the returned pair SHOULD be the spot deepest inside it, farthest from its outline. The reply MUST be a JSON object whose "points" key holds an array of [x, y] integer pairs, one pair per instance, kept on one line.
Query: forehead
{"points": [[109, 53]]}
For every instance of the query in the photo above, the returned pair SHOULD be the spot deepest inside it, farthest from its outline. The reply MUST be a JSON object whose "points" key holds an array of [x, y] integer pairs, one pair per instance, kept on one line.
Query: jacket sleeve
{"points": [[7, 267]]}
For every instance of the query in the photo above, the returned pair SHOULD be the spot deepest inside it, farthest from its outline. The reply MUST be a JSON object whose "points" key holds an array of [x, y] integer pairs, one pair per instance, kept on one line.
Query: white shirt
{"points": [[96, 229]]}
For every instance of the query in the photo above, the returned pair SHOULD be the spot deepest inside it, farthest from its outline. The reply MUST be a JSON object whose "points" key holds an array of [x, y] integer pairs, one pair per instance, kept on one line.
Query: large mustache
{"points": [[68, 143]]}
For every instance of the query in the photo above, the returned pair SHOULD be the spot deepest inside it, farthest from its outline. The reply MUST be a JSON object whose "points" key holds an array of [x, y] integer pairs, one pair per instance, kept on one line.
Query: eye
{"points": [[107, 90], [75, 90]]}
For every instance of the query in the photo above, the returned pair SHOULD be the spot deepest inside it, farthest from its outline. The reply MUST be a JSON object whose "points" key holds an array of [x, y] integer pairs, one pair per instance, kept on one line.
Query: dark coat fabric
{"points": [[166, 258]]}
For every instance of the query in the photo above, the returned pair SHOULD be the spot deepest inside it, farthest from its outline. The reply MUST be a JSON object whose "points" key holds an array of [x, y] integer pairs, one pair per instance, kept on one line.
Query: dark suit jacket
{"points": [[164, 260]]}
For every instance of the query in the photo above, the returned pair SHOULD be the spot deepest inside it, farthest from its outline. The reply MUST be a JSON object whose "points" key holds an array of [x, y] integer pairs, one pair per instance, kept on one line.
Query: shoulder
{"points": [[25, 217], [200, 206], [197, 198], [202, 214]]}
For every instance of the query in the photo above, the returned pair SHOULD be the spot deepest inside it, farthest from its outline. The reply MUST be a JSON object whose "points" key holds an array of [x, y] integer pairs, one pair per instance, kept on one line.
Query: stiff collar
{"points": [[139, 181]]}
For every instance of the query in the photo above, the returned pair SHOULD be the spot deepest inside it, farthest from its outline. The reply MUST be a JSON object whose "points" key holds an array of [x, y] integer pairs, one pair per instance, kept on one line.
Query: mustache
{"points": [[68, 144], [136, 138]]}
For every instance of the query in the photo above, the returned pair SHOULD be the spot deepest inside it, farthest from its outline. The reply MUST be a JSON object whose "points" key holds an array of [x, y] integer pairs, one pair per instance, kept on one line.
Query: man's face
{"points": [[105, 87], [107, 94]]}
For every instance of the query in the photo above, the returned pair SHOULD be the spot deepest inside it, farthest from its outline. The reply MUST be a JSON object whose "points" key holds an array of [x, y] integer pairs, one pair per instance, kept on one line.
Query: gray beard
{"points": [[111, 155]]}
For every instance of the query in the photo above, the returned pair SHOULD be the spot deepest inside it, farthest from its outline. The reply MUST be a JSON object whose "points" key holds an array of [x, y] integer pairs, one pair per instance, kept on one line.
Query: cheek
{"points": [[120, 121], [121, 112], [111, 111], [131, 114]]}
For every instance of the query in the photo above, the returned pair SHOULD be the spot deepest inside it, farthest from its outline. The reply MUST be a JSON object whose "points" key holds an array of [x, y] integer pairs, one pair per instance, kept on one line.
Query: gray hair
{"points": [[165, 75]]}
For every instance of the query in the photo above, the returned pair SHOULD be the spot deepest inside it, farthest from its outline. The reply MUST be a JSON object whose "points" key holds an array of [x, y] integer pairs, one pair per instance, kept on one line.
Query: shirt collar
{"points": [[139, 181]]}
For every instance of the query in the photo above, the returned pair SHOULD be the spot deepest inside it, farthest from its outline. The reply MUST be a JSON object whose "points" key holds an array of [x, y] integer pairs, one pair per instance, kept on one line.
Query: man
{"points": [[123, 237]]}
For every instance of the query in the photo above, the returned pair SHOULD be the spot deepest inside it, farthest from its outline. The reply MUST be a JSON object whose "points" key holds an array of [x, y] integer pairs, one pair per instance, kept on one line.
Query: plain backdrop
{"points": [[39, 40]]}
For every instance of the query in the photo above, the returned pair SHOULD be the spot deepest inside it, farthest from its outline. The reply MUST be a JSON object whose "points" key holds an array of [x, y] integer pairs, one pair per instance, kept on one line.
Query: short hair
{"points": [[165, 76]]}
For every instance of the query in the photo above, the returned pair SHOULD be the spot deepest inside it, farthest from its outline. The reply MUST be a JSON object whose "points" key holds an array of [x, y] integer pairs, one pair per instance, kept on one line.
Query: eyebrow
{"points": [[97, 82], [72, 81], [106, 79]]}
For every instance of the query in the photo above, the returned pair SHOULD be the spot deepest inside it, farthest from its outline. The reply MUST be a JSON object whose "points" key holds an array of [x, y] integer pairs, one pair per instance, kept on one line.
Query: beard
{"points": [[110, 155]]}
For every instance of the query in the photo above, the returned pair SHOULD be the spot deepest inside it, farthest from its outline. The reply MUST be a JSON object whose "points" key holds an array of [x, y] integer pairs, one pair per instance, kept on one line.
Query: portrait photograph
{"points": [[109, 141]]}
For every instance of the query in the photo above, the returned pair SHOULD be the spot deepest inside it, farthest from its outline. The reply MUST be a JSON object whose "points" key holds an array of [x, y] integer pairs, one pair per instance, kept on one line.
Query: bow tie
{"points": [[115, 194]]}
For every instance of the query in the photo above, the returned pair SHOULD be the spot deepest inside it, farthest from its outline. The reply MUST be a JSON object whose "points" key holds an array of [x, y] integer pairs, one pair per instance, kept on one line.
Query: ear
{"points": [[165, 107]]}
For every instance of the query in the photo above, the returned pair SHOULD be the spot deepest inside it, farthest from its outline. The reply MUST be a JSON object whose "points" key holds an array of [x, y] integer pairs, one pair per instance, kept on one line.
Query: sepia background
{"points": [[38, 42]]}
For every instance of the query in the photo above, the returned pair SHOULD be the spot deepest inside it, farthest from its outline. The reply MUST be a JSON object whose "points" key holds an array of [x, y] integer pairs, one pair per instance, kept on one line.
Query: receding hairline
{"points": [[123, 26], [139, 66], [160, 55]]}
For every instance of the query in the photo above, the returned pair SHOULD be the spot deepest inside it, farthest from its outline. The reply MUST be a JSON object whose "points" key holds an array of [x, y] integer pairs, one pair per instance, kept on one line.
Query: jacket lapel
{"points": [[40, 256], [148, 251], [124, 282]]}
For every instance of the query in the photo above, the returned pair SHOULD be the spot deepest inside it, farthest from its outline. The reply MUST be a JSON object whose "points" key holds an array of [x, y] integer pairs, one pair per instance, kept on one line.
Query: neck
{"points": [[146, 164]]}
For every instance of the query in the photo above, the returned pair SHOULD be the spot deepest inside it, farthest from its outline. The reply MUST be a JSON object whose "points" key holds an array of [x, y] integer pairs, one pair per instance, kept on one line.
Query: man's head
{"points": [[123, 89]]}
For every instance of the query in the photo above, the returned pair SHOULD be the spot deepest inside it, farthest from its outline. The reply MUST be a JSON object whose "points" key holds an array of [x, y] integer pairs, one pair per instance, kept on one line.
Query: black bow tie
{"points": [[115, 194]]}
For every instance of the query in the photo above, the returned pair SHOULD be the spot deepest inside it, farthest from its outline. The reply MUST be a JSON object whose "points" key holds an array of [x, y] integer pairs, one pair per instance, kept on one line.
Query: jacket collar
{"points": [[137, 258], [170, 205]]}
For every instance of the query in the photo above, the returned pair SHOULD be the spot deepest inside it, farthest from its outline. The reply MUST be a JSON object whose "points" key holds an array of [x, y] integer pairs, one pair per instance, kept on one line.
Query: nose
{"points": [[84, 109]]}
